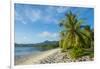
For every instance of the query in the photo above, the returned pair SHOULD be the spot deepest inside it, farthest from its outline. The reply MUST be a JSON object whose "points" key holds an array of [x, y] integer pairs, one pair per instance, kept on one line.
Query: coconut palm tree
{"points": [[72, 32], [88, 33], [62, 39]]}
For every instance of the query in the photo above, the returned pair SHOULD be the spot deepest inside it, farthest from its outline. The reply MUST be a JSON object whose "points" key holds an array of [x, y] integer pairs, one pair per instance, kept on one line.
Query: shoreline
{"points": [[34, 59], [48, 57]]}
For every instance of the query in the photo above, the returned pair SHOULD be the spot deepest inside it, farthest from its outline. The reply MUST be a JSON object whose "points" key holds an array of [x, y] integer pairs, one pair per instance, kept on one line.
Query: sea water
{"points": [[21, 52]]}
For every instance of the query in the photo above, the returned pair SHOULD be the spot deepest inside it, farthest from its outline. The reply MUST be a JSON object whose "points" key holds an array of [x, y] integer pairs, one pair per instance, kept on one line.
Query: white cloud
{"points": [[25, 39], [55, 35], [36, 15], [45, 34], [50, 19], [33, 15], [48, 34], [50, 9], [62, 9], [24, 22], [18, 17]]}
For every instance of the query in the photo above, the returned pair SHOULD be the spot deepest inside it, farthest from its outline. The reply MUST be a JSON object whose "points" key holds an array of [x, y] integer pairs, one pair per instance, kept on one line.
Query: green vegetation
{"points": [[76, 37], [79, 52], [48, 45], [76, 53], [43, 46]]}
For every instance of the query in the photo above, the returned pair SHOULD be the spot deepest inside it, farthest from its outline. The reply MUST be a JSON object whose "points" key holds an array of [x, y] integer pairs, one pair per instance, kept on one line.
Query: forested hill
{"points": [[46, 45]]}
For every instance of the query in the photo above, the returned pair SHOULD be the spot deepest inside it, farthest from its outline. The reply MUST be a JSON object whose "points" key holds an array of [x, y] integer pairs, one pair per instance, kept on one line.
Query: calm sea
{"points": [[25, 51]]}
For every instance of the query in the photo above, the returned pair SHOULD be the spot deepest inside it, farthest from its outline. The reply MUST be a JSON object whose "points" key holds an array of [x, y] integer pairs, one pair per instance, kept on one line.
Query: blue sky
{"points": [[37, 23]]}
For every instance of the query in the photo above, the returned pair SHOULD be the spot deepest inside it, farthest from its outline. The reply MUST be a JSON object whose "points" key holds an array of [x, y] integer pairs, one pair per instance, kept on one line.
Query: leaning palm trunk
{"points": [[61, 43], [74, 35]]}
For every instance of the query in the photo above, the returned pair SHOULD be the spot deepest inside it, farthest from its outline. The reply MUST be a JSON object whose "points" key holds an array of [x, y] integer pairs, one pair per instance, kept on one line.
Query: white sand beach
{"points": [[48, 57], [35, 59]]}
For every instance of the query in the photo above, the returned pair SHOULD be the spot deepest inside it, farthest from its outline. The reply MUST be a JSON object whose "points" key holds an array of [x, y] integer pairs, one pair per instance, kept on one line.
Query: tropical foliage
{"points": [[75, 34]]}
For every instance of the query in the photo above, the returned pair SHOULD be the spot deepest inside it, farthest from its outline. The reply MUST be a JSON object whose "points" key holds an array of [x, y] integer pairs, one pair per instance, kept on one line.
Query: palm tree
{"points": [[62, 39], [72, 35], [89, 34]]}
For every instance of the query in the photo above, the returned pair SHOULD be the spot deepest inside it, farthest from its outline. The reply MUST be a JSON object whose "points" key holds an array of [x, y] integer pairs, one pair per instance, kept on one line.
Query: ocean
{"points": [[21, 52]]}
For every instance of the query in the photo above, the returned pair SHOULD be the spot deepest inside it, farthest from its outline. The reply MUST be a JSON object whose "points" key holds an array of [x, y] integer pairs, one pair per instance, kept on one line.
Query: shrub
{"points": [[76, 53]]}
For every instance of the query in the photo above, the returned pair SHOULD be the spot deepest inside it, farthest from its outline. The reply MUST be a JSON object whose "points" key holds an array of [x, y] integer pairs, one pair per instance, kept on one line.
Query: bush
{"points": [[76, 53]]}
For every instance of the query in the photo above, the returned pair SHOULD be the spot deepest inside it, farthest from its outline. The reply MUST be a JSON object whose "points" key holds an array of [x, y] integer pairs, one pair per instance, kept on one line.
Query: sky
{"points": [[38, 23]]}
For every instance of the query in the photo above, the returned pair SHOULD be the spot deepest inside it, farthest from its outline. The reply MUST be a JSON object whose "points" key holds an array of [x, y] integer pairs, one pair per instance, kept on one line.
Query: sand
{"points": [[35, 59], [50, 56]]}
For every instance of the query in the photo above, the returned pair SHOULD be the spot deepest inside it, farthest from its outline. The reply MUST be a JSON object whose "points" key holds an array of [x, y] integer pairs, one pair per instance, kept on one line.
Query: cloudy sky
{"points": [[37, 23]]}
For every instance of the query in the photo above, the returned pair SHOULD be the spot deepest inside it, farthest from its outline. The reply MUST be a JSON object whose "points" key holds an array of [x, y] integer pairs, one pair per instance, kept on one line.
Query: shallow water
{"points": [[25, 51]]}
